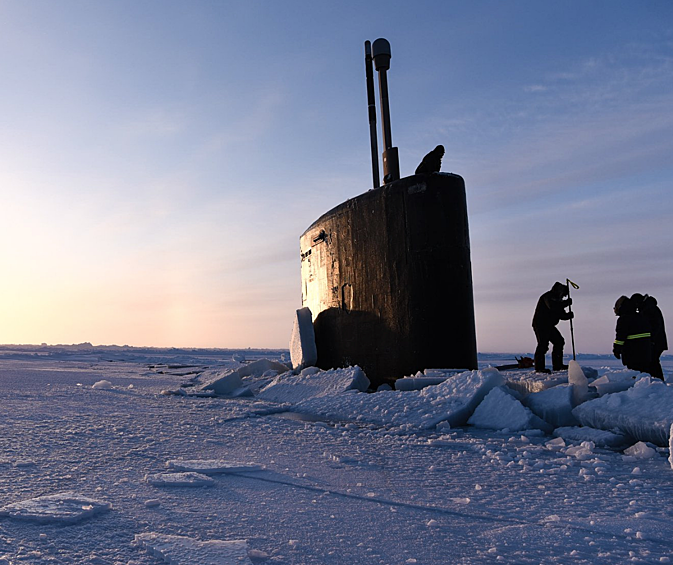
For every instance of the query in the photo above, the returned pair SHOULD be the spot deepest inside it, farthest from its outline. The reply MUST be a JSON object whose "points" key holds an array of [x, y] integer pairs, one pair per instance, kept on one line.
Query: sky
{"points": [[159, 160]]}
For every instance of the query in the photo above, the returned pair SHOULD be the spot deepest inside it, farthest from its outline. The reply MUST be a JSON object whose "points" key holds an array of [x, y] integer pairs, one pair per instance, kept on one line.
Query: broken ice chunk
{"points": [[187, 479], [183, 549], [61, 508], [212, 466]]}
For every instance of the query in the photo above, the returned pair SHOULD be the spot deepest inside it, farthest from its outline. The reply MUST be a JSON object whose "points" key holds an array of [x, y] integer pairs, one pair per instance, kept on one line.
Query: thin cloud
{"points": [[155, 122]]}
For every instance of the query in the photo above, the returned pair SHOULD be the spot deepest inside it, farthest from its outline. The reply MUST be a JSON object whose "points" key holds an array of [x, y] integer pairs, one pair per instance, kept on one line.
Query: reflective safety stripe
{"points": [[638, 336], [617, 342]]}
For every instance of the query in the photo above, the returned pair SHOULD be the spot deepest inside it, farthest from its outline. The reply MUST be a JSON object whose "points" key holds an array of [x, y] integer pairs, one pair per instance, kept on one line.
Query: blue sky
{"points": [[160, 159]]}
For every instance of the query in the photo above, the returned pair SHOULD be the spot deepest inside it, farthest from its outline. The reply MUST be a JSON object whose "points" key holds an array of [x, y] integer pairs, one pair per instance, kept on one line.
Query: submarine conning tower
{"points": [[387, 274], [388, 279]]}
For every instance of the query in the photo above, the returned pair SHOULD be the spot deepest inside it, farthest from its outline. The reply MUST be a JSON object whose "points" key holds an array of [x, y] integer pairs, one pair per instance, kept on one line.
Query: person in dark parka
{"points": [[432, 162], [633, 340], [550, 310], [647, 305]]}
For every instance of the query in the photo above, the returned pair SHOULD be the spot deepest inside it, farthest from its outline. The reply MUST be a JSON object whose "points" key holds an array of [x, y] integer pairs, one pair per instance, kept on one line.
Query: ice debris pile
{"points": [[229, 382], [450, 403], [313, 383], [644, 411], [613, 409]]}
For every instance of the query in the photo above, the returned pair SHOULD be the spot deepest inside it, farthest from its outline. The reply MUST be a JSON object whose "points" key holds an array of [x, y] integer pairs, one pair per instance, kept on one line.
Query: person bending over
{"points": [[550, 310]]}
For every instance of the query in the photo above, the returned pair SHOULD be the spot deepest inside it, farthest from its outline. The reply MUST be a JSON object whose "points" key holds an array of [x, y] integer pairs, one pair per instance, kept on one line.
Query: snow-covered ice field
{"points": [[123, 473]]}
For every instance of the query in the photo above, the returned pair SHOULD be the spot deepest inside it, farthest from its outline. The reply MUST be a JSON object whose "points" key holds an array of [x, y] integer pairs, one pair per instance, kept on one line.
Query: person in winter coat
{"points": [[647, 305], [432, 162], [550, 310], [633, 340]]}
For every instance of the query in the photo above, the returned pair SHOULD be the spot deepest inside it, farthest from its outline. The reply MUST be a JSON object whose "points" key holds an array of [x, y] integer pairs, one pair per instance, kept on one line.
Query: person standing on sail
{"points": [[550, 310]]}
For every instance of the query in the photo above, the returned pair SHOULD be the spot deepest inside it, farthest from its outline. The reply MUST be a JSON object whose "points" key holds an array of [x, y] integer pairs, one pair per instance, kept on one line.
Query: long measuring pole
{"points": [[570, 283]]}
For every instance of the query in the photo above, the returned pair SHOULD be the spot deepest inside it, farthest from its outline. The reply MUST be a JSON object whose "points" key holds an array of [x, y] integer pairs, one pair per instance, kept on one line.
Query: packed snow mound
{"points": [[102, 385], [182, 550], [62, 508], [501, 411], [212, 466], [313, 383], [640, 451], [186, 479], [643, 412], [554, 405], [452, 401]]}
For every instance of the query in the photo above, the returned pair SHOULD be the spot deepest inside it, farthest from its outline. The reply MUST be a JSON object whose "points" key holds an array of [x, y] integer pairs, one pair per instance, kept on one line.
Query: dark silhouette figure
{"points": [[550, 310], [647, 305], [633, 340], [432, 162]]}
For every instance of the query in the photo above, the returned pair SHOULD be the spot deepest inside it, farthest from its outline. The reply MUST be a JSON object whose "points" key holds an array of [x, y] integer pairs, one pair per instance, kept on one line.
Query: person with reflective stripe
{"points": [[633, 340], [647, 305]]}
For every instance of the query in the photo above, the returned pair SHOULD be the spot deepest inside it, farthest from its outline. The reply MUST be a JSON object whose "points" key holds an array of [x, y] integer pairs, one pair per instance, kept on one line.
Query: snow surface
{"points": [[353, 486]]}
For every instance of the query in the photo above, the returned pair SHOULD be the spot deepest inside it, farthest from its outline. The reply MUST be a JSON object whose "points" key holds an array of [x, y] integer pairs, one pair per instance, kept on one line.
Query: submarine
{"points": [[387, 274]]}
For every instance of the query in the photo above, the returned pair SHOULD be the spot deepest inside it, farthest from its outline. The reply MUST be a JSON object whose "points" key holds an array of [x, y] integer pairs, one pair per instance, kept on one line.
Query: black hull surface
{"points": [[388, 278]]}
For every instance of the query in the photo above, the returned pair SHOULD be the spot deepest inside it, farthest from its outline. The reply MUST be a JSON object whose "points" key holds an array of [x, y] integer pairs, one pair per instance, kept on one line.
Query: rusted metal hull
{"points": [[388, 278]]}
